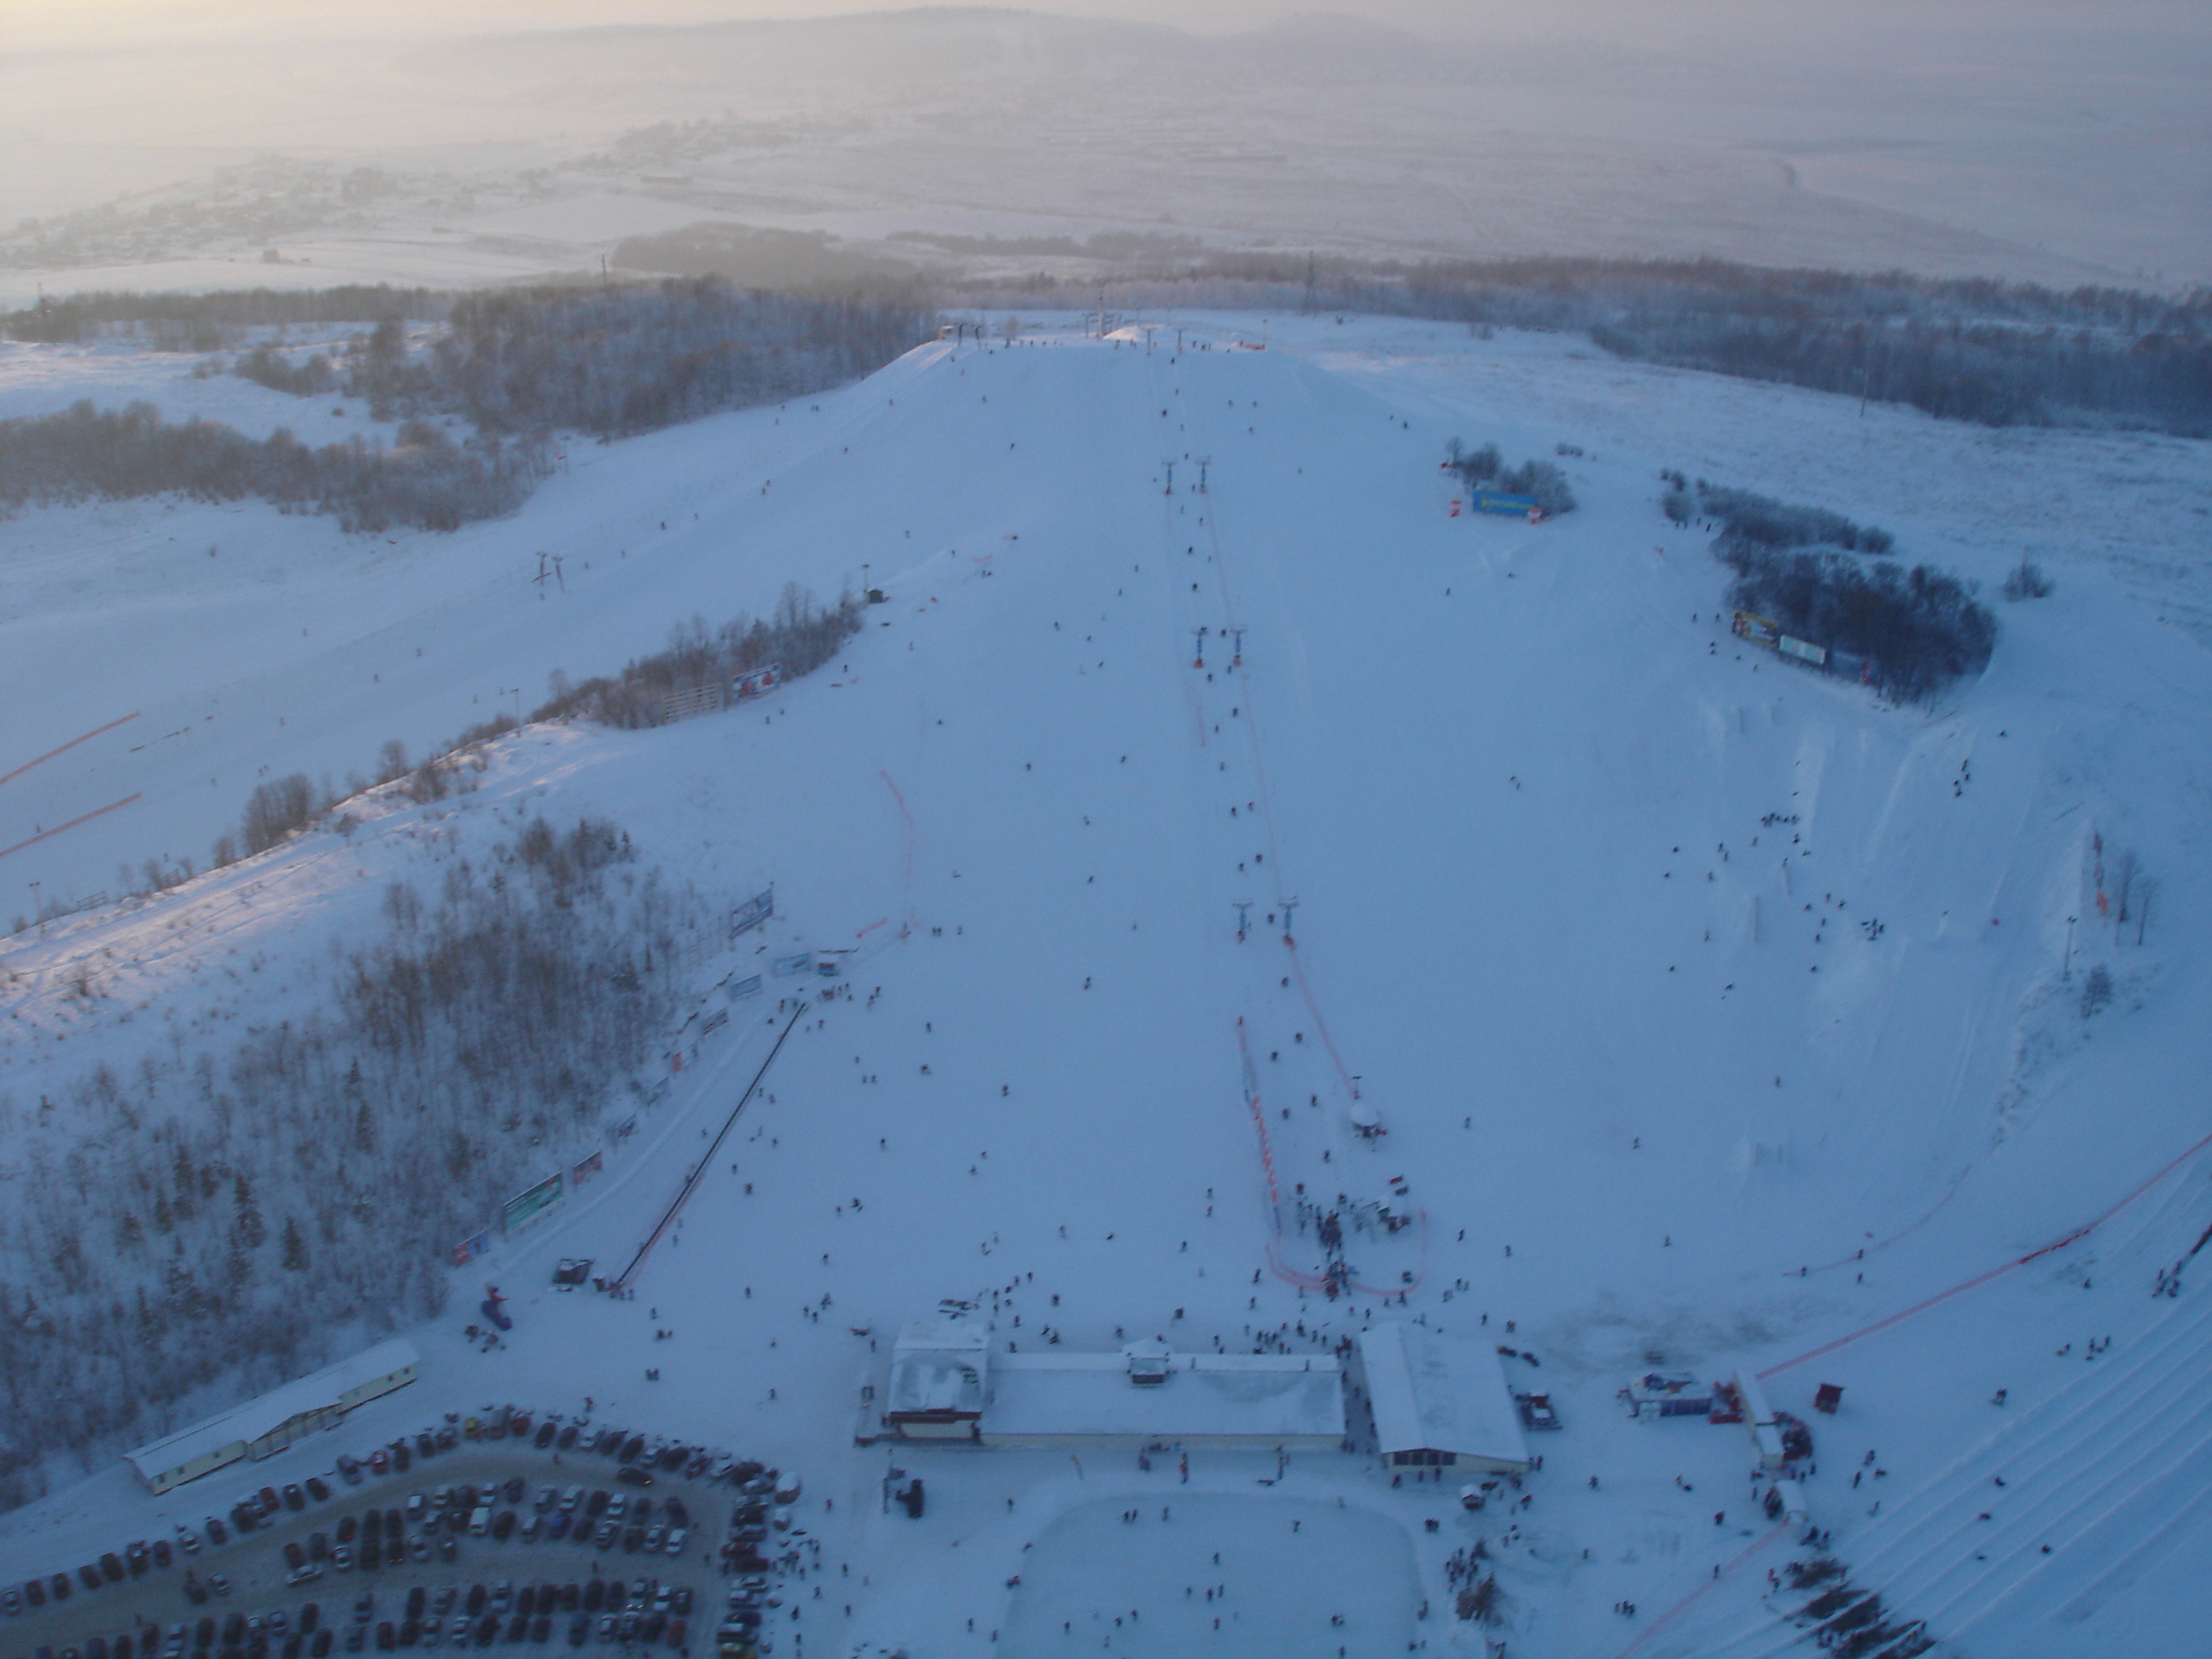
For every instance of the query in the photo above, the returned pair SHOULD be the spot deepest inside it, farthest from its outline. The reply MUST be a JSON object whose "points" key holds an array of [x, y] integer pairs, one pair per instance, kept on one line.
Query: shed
{"points": [[1440, 1402], [266, 1424]]}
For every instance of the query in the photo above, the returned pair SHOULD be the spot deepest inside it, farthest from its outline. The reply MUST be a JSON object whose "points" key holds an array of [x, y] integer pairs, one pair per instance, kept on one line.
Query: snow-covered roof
{"points": [[1260, 1400], [1435, 1393], [248, 1422], [937, 1367]]}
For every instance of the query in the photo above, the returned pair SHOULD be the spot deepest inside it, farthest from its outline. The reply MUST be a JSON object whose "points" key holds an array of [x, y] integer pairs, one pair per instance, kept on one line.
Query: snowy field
{"points": [[1581, 884]]}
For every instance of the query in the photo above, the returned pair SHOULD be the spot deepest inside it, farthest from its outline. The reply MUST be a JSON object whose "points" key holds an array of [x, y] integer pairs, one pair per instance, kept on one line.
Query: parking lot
{"points": [[484, 1565]]}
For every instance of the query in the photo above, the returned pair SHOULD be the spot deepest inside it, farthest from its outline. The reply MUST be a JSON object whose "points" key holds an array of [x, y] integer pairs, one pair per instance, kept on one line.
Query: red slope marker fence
{"points": [[1998, 1272]]}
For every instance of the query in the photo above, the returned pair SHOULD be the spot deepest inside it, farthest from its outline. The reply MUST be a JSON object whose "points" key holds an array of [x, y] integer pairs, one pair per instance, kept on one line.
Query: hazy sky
{"points": [[108, 22], [2081, 126]]}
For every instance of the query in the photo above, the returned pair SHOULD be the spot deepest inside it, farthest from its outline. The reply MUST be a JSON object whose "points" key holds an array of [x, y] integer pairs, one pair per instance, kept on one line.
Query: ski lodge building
{"points": [[263, 1426], [947, 1384], [1441, 1401]]}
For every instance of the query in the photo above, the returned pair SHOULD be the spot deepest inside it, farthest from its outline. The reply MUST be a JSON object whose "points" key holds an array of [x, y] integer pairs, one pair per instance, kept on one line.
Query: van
{"points": [[480, 1522]]}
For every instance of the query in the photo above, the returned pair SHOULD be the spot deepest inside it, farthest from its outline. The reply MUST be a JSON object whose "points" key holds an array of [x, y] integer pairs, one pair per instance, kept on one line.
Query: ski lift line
{"points": [[2056, 1244], [906, 820], [82, 817], [1273, 1254], [1267, 804], [707, 1160], [10, 777], [1727, 1571]]}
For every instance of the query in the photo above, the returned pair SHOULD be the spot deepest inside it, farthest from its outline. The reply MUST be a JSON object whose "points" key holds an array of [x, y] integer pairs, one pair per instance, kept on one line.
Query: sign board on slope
{"points": [[528, 1205], [753, 912], [747, 987], [1504, 502], [1756, 628], [801, 962], [468, 1250], [757, 683], [1803, 650]]}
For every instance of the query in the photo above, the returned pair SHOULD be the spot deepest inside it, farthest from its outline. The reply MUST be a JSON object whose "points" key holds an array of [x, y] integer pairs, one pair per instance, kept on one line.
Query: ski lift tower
{"points": [[1243, 908], [1238, 634], [1169, 491], [1289, 905], [1198, 660]]}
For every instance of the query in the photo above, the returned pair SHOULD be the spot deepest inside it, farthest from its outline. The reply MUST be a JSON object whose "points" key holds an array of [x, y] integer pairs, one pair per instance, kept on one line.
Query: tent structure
{"points": [[1440, 1402]]}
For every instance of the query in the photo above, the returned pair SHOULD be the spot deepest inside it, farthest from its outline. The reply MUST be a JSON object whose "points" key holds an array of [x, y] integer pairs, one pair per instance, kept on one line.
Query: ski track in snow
{"points": [[1653, 1087]]}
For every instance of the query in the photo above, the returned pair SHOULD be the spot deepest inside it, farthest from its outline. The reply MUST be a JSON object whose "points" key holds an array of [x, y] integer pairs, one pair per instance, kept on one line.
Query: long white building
{"points": [[266, 1424], [947, 1383]]}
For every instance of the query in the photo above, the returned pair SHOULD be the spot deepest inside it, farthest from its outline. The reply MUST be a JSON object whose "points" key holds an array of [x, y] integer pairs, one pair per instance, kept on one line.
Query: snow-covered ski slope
{"points": [[1583, 891]]}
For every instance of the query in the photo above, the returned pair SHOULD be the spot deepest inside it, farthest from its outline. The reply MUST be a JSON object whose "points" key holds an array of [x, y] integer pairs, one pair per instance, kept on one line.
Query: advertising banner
{"points": [[803, 963], [747, 987], [528, 1205], [625, 1129], [752, 913], [471, 1248], [1757, 629], [757, 683], [590, 1167], [1803, 651], [1498, 500]]}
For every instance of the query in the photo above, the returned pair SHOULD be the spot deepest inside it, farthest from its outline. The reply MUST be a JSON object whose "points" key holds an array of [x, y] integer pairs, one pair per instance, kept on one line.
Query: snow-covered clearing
{"points": [[1583, 891]]}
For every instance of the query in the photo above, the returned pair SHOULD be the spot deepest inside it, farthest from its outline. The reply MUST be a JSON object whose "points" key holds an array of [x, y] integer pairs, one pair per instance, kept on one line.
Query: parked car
{"points": [[218, 1583], [379, 1460], [502, 1524], [216, 1532], [630, 1474], [319, 1489], [348, 1470], [294, 1497]]}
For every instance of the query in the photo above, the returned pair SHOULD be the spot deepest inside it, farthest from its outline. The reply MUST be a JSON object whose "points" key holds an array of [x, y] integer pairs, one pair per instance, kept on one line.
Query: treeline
{"points": [[1542, 481], [517, 366], [1762, 521], [424, 480], [1998, 353], [224, 1217], [207, 322], [1805, 569], [801, 636], [616, 360]]}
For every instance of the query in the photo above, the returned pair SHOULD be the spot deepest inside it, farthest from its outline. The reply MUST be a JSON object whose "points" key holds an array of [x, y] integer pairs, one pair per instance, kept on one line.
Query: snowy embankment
{"points": [[1713, 1011]]}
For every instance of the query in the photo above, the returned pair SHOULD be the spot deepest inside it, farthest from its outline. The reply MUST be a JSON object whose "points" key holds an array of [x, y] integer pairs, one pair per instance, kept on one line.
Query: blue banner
{"points": [[752, 913]]}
